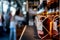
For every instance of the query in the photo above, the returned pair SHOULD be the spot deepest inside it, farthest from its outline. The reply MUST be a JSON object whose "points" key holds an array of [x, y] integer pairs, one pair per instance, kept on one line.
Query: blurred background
{"points": [[23, 12], [8, 10]]}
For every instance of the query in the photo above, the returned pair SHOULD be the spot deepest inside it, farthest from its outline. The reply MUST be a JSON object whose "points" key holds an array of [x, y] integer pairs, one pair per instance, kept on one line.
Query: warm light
{"points": [[34, 8], [50, 29], [46, 12]]}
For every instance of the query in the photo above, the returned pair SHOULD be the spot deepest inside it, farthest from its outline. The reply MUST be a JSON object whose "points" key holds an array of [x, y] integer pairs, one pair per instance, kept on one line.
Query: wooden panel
{"points": [[19, 31]]}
